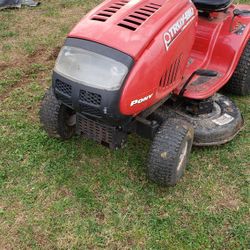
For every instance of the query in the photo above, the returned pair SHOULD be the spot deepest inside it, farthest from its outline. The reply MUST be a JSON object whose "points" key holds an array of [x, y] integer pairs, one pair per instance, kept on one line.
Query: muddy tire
{"points": [[57, 119], [169, 152], [239, 84]]}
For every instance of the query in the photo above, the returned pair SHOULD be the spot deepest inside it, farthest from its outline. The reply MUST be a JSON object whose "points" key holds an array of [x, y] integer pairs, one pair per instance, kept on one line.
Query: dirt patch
{"points": [[37, 53], [232, 204], [11, 88], [54, 54], [38, 57], [227, 198], [4, 66], [100, 216], [24, 81]]}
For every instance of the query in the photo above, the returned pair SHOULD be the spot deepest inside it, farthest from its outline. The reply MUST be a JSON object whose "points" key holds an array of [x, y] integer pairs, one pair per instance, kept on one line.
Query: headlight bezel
{"points": [[100, 53]]}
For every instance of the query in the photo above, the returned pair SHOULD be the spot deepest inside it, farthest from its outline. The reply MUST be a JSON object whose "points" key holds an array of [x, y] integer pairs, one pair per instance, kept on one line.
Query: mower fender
{"points": [[218, 46]]}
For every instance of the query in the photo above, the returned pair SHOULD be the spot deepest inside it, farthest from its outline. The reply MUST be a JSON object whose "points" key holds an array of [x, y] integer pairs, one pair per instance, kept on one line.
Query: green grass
{"points": [[77, 194]]}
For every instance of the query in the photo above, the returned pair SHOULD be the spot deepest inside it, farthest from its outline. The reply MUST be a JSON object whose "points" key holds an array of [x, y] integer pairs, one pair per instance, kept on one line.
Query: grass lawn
{"points": [[77, 194]]}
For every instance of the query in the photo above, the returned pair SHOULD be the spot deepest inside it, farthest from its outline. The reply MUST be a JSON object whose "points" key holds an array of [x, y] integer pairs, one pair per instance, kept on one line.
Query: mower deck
{"points": [[215, 121]]}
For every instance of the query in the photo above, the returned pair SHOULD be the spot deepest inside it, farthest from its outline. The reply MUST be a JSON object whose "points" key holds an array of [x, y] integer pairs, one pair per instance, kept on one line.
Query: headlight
{"points": [[90, 69]]}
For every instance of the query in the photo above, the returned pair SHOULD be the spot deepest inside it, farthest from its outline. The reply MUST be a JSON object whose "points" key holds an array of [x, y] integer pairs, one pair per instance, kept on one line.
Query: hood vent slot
{"points": [[108, 12], [138, 17], [171, 73]]}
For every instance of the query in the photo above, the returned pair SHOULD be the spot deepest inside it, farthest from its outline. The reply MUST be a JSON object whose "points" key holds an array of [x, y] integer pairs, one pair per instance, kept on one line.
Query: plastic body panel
{"points": [[131, 42], [218, 46], [158, 63], [203, 43]]}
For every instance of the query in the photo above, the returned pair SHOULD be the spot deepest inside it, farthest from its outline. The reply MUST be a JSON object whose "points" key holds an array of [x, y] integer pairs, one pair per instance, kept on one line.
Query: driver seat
{"points": [[212, 5]]}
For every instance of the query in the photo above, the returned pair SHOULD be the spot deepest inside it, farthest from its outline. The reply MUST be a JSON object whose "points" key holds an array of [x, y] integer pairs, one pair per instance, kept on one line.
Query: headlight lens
{"points": [[90, 69]]}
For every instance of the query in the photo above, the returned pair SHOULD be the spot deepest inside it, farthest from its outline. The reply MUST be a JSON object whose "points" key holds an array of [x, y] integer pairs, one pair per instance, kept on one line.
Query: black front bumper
{"points": [[96, 104], [97, 111]]}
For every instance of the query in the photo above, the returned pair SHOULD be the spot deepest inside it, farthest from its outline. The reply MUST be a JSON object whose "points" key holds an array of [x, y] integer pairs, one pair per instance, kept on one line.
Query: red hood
{"points": [[127, 25]]}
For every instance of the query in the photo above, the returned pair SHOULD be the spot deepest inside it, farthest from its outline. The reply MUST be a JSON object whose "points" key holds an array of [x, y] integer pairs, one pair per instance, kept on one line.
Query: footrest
{"points": [[203, 87]]}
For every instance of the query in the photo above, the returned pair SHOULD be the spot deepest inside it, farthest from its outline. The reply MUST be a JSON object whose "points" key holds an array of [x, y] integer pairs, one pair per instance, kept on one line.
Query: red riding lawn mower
{"points": [[153, 67]]}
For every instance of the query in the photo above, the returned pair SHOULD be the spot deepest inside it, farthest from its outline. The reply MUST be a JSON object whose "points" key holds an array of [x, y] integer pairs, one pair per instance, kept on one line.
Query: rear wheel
{"points": [[58, 120], [169, 152], [239, 84]]}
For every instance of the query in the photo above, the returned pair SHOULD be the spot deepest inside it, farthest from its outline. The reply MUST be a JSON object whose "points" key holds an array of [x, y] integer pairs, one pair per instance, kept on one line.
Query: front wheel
{"points": [[170, 151], [58, 120]]}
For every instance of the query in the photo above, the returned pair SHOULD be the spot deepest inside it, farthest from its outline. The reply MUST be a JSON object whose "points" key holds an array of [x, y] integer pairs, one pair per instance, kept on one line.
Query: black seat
{"points": [[212, 5]]}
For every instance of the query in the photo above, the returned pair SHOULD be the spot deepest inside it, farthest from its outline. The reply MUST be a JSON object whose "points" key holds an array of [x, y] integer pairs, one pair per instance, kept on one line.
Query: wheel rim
{"points": [[71, 120], [182, 157]]}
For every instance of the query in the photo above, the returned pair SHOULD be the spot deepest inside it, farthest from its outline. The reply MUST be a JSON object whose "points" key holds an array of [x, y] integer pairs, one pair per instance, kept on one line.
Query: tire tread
{"points": [[239, 84], [168, 139]]}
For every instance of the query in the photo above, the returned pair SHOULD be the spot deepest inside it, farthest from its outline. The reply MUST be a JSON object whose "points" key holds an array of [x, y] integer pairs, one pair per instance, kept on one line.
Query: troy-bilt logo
{"points": [[139, 101], [178, 27]]}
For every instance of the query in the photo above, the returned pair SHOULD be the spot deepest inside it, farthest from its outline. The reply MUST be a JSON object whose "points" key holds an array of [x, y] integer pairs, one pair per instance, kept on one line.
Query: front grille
{"points": [[63, 88], [89, 97], [93, 130], [89, 102], [99, 132], [86, 109]]}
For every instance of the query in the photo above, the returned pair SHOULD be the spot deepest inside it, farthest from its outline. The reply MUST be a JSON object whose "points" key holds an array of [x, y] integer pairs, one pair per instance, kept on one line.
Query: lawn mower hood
{"points": [[113, 61]]}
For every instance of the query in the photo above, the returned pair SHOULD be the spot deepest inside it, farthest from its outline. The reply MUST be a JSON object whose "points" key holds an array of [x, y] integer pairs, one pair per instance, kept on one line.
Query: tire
{"points": [[57, 119], [239, 84], [169, 152]]}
